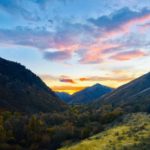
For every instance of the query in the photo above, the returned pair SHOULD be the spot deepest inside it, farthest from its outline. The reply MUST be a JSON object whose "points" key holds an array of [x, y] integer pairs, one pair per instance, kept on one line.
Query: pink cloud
{"points": [[144, 27], [128, 55], [96, 53], [126, 26]]}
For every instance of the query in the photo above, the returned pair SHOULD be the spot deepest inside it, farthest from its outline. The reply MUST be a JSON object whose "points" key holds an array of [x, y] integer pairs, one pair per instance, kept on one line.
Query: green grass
{"points": [[133, 133]]}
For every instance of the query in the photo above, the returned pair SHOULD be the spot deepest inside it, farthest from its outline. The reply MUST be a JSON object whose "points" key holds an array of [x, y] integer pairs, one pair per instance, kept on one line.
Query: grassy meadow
{"points": [[133, 133]]}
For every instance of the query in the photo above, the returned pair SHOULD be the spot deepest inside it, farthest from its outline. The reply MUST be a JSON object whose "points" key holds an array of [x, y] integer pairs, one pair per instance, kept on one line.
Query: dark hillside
{"points": [[21, 90]]}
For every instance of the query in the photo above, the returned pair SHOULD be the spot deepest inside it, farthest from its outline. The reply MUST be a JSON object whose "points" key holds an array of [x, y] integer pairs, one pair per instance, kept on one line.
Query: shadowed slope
{"points": [[89, 94], [21, 90], [133, 96]]}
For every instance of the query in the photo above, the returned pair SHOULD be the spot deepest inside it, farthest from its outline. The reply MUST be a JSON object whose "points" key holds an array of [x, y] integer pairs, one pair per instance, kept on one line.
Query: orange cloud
{"points": [[83, 79], [107, 78]]}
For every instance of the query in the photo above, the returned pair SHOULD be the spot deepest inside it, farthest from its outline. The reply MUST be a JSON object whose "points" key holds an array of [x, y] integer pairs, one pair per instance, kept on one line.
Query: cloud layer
{"points": [[92, 40]]}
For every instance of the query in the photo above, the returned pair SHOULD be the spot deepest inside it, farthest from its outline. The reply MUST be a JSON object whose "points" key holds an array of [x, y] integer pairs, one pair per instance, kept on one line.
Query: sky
{"points": [[73, 44]]}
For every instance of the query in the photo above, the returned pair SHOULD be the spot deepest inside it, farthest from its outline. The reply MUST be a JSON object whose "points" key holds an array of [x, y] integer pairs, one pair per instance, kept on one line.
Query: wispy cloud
{"points": [[122, 78], [91, 40], [121, 19], [38, 38], [128, 55], [57, 56], [17, 8], [61, 78], [47, 77], [144, 27], [67, 80]]}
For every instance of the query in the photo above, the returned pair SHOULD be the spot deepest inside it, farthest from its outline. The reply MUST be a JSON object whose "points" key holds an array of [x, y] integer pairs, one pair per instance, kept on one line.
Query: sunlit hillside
{"points": [[133, 133]]}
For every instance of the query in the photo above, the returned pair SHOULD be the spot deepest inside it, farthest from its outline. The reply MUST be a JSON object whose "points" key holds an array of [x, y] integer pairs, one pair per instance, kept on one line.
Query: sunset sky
{"points": [[72, 44]]}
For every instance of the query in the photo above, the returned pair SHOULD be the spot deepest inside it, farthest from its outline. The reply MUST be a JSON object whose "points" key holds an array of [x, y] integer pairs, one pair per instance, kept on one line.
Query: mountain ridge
{"points": [[89, 94], [135, 92], [22, 90], [64, 96]]}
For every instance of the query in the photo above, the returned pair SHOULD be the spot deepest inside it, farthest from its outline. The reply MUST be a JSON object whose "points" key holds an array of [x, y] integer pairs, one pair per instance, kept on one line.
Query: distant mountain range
{"points": [[86, 95], [64, 96], [22, 90], [133, 96]]}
